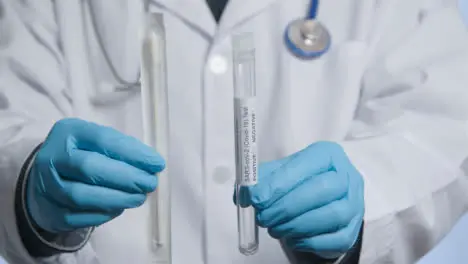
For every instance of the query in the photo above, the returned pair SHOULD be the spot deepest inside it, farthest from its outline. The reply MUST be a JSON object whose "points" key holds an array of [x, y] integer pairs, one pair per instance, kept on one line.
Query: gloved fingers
{"points": [[70, 220], [114, 144], [85, 197], [265, 168], [242, 196], [313, 193], [356, 186], [326, 219], [314, 160], [96, 169], [326, 244]]}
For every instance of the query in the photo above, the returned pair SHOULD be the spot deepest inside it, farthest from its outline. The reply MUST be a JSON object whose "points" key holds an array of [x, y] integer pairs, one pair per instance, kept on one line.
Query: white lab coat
{"points": [[392, 90]]}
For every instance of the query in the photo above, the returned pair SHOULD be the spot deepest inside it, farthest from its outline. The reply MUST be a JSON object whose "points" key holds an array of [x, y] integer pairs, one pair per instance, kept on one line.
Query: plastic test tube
{"points": [[246, 138], [156, 128]]}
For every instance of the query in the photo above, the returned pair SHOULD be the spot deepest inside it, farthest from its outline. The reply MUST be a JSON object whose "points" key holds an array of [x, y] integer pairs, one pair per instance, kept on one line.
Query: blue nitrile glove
{"points": [[85, 175], [312, 200]]}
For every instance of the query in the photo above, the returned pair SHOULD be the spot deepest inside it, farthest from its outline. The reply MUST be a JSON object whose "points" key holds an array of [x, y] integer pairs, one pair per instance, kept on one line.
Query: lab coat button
{"points": [[222, 174], [218, 64]]}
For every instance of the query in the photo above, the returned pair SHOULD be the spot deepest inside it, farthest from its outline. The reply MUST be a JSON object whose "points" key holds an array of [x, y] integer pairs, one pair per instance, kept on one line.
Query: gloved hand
{"points": [[313, 200], [85, 175]]}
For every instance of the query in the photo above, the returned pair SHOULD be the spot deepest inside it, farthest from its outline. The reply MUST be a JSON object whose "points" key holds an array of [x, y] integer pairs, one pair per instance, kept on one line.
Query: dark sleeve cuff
{"points": [[351, 257], [40, 243]]}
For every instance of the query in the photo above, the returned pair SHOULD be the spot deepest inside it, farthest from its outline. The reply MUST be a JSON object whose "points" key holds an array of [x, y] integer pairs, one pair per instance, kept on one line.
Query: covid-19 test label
{"points": [[246, 140]]}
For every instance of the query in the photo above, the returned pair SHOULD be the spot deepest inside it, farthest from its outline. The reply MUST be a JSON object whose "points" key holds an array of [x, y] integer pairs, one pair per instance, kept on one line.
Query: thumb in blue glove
{"points": [[85, 174], [313, 200]]}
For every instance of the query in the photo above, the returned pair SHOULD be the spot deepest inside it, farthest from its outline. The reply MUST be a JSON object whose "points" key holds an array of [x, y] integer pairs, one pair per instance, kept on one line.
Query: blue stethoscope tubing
{"points": [[298, 45], [313, 9]]}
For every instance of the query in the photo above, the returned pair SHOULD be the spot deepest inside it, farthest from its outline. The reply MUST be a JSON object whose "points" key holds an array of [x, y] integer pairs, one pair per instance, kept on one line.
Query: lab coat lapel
{"points": [[194, 12], [239, 11]]}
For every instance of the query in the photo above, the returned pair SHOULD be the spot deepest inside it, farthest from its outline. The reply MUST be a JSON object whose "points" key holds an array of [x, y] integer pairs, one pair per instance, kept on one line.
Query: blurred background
{"points": [[453, 247]]}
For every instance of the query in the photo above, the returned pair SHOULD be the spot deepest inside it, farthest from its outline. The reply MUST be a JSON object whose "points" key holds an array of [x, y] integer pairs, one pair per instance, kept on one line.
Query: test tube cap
{"points": [[243, 42]]}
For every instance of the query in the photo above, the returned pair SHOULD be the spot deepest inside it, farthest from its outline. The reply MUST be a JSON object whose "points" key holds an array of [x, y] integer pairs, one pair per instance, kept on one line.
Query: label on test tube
{"points": [[246, 137]]}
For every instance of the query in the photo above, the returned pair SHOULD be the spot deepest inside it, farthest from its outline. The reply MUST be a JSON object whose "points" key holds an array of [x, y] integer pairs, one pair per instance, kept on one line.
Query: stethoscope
{"points": [[306, 38]]}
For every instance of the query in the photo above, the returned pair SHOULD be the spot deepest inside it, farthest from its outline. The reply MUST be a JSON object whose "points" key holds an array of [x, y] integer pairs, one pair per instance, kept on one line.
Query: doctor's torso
{"points": [[300, 102]]}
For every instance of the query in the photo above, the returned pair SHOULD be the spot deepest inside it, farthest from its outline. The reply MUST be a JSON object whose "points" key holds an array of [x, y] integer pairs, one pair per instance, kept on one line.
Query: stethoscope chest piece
{"points": [[307, 38]]}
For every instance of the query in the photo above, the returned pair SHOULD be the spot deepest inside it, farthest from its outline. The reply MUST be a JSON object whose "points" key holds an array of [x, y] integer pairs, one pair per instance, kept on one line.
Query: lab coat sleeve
{"points": [[33, 97], [351, 257], [409, 139]]}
